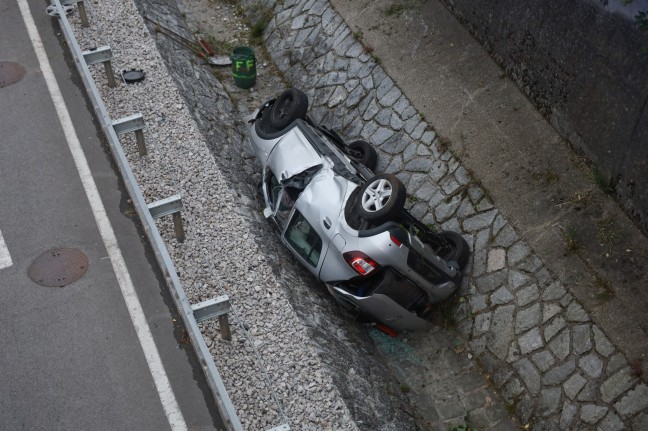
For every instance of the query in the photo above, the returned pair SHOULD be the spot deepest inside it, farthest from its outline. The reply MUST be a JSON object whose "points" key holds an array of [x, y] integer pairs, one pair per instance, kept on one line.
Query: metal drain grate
{"points": [[58, 267], [10, 73]]}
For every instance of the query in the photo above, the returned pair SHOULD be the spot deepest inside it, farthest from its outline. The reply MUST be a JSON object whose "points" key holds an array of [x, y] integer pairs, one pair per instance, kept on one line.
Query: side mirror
{"points": [[267, 212]]}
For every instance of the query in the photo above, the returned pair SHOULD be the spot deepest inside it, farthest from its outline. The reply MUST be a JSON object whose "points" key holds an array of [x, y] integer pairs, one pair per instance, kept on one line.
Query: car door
{"points": [[304, 241]]}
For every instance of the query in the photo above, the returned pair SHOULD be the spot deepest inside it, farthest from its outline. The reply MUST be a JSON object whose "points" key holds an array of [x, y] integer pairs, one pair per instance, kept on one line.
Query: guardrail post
{"points": [[103, 54], [170, 206], [215, 307], [134, 123], [178, 227], [223, 323], [82, 10]]}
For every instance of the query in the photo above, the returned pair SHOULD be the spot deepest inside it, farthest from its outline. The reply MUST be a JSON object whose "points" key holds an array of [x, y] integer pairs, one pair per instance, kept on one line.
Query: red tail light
{"points": [[360, 262]]}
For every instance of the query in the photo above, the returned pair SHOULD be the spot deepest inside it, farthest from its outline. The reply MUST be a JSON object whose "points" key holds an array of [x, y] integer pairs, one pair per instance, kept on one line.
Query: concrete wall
{"points": [[581, 63]]}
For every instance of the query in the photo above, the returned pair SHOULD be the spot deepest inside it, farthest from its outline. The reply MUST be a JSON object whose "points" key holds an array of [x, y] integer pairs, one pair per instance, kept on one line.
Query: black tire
{"points": [[363, 152], [381, 199], [289, 106], [456, 250]]}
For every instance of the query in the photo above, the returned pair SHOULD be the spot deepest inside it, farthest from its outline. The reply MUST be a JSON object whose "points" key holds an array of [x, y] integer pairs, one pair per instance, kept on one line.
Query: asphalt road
{"points": [[70, 357]]}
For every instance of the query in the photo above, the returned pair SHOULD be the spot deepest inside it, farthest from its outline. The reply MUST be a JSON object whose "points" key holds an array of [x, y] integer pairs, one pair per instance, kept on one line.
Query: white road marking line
{"points": [[167, 397], [5, 257]]}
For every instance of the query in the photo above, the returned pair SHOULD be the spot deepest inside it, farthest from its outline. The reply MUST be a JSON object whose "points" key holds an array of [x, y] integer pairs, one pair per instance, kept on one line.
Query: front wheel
{"points": [[289, 106], [382, 198]]}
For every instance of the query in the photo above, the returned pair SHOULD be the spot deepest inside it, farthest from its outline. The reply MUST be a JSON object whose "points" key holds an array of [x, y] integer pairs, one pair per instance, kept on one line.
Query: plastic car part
{"points": [[132, 76], [289, 106], [360, 262], [381, 198]]}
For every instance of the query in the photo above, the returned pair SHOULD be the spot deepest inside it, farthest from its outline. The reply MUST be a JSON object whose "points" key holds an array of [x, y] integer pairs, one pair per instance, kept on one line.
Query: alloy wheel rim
{"points": [[376, 196]]}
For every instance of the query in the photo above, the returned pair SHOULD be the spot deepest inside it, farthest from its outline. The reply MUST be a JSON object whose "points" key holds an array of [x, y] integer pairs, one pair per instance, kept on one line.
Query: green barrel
{"points": [[243, 67]]}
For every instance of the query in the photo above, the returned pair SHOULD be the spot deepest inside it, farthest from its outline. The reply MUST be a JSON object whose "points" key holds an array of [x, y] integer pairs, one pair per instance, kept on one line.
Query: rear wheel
{"points": [[363, 152], [455, 248], [382, 198], [289, 106]]}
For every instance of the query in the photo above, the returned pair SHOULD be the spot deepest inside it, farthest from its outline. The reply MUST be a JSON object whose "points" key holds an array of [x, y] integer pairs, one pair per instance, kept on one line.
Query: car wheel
{"points": [[381, 198], [289, 106], [363, 152], [456, 248]]}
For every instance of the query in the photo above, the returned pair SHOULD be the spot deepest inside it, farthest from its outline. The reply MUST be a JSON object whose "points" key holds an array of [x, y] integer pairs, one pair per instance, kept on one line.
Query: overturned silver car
{"points": [[347, 225]]}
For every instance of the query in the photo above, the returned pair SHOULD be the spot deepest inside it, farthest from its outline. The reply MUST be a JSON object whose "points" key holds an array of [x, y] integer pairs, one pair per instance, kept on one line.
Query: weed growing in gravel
{"points": [[604, 288], [257, 29], [394, 10], [548, 177], [570, 239], [601, 182], [220, 46], [446, 310], [443, 142], [465, 426], [606, 233]]}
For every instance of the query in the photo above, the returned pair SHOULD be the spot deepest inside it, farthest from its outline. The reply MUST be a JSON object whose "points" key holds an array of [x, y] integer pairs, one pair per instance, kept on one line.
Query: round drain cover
{"points": [[10, 73], [131, 76], [58, 267]]}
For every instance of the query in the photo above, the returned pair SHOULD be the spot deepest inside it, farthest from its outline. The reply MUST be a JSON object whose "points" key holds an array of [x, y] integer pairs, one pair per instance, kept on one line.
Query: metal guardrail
{"points": [[224, 404]]}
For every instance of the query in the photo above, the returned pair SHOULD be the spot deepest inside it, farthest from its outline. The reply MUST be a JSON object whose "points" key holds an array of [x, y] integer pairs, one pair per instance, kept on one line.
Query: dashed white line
{"points": [[162, 384], [5, 257]]}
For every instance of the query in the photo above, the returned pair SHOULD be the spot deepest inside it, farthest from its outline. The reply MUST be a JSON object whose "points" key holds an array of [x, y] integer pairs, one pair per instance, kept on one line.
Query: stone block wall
{"points": [[584, 66]]}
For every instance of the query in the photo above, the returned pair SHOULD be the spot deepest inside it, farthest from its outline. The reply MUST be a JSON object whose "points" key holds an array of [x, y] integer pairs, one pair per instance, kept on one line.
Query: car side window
{"points": [[304, 239], [274, 188]]}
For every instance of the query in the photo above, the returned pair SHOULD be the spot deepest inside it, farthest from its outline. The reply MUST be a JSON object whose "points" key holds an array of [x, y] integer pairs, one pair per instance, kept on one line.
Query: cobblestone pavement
{"points": [[553, 366]]}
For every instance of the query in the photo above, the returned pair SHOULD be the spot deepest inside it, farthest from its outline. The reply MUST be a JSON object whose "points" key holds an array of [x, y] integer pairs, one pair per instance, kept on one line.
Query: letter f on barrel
{"points": [[243, 67]]}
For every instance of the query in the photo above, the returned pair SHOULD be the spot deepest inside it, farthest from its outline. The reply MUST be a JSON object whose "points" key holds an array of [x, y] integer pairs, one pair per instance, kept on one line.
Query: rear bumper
{"points": [[384, 309], [388, 299]]}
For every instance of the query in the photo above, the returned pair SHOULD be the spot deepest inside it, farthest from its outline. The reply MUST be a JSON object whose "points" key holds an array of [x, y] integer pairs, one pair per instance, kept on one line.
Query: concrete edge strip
{"points": [[212, 375]]}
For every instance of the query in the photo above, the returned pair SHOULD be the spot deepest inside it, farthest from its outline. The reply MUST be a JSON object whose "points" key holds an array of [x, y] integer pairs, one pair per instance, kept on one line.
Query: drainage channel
{"points": [[208, 309]]}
